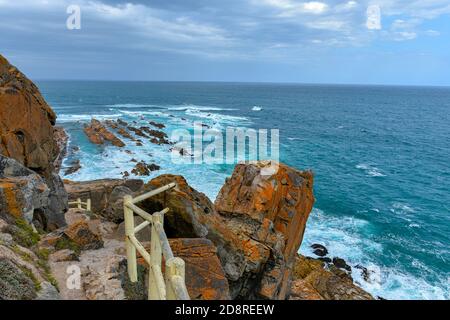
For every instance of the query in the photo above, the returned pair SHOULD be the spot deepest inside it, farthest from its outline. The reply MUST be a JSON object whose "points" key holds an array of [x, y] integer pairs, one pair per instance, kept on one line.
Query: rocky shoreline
{"points": [[241, 246]]}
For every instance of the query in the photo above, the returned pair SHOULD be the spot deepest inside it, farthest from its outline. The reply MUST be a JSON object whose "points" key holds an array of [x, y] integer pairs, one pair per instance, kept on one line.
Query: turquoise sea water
{"points": [[380, 156]]}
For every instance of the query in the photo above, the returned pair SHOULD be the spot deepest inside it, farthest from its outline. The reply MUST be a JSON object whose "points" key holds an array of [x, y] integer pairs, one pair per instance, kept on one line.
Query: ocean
{"points": [[380, 156]]}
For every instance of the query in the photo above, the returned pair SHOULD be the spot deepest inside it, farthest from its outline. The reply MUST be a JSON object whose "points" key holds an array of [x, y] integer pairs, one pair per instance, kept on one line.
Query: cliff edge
{"points": [[27, 135]]}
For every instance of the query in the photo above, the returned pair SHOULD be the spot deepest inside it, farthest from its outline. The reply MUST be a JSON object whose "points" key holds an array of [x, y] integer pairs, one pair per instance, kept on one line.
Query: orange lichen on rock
{"points": [[98, 134]]}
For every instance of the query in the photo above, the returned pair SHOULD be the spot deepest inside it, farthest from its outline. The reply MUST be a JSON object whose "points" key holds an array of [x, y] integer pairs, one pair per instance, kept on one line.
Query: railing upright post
{"points": [[88, 204], [174, 267], [156, 260], [129, 231], [79, 203]]}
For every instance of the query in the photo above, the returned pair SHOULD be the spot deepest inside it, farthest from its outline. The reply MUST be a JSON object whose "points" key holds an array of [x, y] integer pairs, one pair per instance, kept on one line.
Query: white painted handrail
{"points": [[168, 286], [87, 205]]}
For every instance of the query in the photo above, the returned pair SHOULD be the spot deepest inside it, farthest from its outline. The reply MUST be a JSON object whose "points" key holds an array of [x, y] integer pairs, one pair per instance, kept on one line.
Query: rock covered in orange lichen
{"points": [[205, 278], [22, 191], [98, 134], [266, 205], [257, 223], [27, 135]]}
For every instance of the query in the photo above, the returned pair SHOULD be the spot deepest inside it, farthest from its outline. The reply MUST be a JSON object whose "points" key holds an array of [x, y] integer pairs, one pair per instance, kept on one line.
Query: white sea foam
{"points": [[340, 236], [370, 170], [86, 117], [198, 108], [134, 106]]}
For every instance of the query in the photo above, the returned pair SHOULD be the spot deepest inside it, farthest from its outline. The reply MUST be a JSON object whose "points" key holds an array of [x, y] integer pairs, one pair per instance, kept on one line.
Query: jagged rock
{"points": [[319, 250], [63, 255], [138, 132], [312, 278], [22, 191], [75, 166], [341, 264], [105, 201], [27, 135], [159, 137], [265, 213], [61, 139], [205, 278], [125, 134], [257, 223], [82, 235], [302, 290], [98, 134], [187, 207], [157, 125], [144, 169], [112, 124]]}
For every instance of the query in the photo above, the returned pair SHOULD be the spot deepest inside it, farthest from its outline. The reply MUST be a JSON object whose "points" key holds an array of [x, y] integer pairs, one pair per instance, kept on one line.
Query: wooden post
{"points": [[156, 260], [79, 203], [129, 231], [88, 205], [174, 267]]}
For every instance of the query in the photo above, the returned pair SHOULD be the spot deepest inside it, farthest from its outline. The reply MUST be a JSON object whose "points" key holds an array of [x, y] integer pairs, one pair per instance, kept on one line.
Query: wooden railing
{"points": [[170, 285], [87, 205]]}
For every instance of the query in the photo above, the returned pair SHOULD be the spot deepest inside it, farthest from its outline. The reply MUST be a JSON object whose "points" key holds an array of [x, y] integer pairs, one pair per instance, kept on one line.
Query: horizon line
{"points": [[255, 82]]}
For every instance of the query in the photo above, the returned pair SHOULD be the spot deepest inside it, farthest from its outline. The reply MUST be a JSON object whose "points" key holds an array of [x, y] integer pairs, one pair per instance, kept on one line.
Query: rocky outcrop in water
{"points": [[27, 135], [144, 169], [98, 134], [314, 280]]}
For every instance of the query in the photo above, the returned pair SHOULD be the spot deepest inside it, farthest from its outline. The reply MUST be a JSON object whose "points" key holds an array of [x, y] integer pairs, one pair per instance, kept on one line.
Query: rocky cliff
{"points": [[257, 224], [27, 135]]}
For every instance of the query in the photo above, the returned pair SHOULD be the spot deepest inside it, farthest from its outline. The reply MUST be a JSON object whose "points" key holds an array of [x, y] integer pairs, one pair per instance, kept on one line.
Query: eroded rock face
{"points": [[62, 140], [27, 135], [22, 191], [106, 195], [205, 278], [266, 216], [257, 224]]}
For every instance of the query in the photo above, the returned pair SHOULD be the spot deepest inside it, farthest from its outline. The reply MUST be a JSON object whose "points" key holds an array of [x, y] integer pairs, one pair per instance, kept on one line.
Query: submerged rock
{"points": [[157, 125], [144, 169], [74, 167], [319, 250]]}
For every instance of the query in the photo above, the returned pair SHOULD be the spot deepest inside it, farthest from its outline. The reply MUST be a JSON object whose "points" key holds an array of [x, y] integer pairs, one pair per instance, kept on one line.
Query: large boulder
{"points": [[23, 192], [257, 223], [205, 278], [106, 195], [27, 135]]}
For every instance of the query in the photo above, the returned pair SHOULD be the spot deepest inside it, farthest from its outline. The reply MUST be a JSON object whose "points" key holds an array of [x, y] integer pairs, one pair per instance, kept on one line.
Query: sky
{"points": [[400, 42]]}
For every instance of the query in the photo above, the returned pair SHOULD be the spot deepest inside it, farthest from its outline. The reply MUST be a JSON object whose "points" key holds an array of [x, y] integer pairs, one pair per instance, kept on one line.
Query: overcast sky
{"points": [[333, 41]]}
